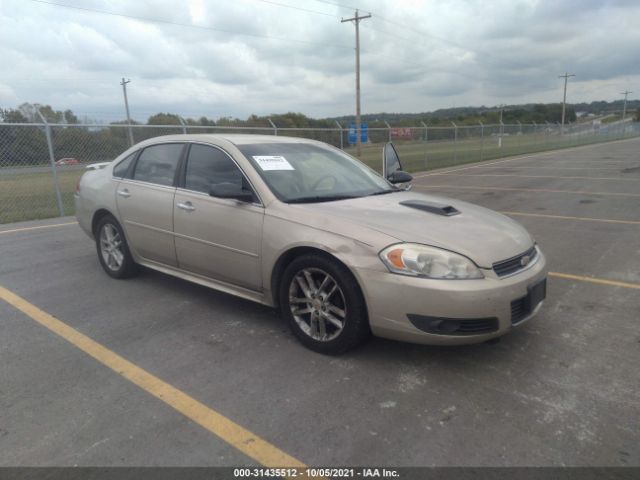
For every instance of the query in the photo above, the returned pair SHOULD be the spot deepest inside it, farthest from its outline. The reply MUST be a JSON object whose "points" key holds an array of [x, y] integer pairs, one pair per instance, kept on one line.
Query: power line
{"points": [[386, 32], [379, 30], [200, 27], [188, 25], [336, 4], [455, 44], [297, 8], [398, 24], [421, 32]]}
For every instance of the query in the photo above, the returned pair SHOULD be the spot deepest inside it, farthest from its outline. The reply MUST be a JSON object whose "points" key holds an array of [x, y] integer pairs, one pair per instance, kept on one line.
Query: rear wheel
{"points": [[323, 305], [113, 251]]}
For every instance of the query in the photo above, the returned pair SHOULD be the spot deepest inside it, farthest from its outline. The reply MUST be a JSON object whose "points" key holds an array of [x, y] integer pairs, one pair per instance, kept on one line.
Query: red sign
{"points": [[404, 132]]}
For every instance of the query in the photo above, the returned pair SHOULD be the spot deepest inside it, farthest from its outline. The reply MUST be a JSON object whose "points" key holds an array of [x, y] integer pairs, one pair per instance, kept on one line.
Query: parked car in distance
{"points": [[67, 161], [301, 225]]}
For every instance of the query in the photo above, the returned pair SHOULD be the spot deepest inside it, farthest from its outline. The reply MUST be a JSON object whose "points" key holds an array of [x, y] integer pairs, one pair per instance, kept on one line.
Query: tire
{"points": [[326, 312], [113, 251]]}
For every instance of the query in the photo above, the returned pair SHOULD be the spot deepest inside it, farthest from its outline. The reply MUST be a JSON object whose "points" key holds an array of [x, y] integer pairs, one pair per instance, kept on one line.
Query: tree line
{"points": [[24, 146], [21, 146]]}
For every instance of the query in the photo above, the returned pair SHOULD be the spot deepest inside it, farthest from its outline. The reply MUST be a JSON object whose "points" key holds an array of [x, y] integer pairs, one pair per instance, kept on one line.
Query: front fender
{"points": [[278, 235]]}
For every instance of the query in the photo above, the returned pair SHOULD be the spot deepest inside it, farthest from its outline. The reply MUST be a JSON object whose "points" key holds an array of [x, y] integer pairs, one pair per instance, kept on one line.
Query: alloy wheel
{"points": [[111, 247], [317, 304]]}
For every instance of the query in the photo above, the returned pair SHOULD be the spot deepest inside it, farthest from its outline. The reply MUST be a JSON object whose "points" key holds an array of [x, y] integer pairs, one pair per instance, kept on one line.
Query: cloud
{"points": [[249, 56], [7, 95]]}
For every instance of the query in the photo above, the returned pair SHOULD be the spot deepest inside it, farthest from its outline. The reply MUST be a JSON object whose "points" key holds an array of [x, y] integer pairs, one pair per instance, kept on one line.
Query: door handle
{"points": [[124, 193], [186, 206]]}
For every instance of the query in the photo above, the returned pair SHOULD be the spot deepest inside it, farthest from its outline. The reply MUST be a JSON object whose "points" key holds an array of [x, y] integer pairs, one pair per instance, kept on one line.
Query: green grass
{"points": [[421, 156], [31, 196], [615, 117]]}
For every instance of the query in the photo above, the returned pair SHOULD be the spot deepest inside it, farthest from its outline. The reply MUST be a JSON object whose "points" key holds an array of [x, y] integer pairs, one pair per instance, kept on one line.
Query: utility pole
{"points": [[624, 108], [501, 126], [126, 106], [341, 135], [564, 98], [273, 125], [356, 20]]}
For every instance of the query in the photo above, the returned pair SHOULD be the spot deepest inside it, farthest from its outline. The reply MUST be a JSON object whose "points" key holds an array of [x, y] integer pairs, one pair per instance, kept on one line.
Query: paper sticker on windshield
{"points": [[272, 162]]}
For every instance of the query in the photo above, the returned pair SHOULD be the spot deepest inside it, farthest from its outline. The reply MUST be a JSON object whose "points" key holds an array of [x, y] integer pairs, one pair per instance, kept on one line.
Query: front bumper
{"points": [[392, 299]]}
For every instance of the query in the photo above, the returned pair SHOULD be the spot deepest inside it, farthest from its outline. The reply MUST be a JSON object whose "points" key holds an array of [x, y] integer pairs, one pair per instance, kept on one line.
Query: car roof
{"points": [[235, 138]]}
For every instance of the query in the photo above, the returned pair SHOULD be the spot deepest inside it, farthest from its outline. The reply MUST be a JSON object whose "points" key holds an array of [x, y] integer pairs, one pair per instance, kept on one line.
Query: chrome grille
{"points": [[514, 264]]}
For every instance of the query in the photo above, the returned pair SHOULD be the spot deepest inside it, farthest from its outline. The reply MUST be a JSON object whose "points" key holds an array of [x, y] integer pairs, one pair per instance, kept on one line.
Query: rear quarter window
{"points": [[121, 170]]}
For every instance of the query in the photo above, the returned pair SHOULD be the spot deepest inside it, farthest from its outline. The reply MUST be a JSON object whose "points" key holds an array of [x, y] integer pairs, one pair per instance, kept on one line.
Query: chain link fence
{"points": [[40, 164]]}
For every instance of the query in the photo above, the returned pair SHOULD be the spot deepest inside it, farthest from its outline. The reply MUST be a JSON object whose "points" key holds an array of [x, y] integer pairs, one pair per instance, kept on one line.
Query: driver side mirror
{"points": [[232, 191], [400, 176], [390, 160], [391, 166]]}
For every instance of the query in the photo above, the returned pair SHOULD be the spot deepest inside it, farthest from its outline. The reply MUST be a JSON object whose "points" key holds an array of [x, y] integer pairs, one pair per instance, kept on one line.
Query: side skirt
{"points": [[241, 292]]}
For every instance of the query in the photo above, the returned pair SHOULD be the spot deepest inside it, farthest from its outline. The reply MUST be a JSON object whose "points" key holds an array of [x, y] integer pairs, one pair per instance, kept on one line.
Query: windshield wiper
{"points": [[318, 198], [384, 192]]}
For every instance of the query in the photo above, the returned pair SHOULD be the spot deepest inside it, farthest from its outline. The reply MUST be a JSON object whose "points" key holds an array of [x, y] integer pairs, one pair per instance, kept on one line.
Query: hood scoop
{"points": [[432, 207]]}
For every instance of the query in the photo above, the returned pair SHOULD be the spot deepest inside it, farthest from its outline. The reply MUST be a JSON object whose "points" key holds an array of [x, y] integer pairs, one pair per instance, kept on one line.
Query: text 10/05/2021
{"points": [[309, 472]]}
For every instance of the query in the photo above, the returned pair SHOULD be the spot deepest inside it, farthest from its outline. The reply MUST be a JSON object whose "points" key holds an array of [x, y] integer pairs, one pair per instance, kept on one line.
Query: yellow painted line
{"points": [[237, 436], [25, 229], [535, 176], [577, 192], [566, 217], [599, 281]]}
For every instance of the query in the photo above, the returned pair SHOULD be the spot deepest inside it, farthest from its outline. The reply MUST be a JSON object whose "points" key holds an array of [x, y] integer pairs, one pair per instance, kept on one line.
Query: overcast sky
{"points": [[237, 57]]}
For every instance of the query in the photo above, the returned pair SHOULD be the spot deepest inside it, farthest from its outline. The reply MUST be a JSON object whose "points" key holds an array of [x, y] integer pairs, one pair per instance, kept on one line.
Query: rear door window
{"points": [[158, 163]]}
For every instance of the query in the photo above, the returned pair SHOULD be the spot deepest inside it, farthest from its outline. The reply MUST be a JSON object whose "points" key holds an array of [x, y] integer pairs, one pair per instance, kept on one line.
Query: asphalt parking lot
{"points": [[561, 390]]}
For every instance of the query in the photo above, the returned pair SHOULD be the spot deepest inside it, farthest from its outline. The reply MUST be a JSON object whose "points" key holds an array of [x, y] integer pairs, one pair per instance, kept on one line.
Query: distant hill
{"points": [[601, 107], [511, 114], [525, 113]]}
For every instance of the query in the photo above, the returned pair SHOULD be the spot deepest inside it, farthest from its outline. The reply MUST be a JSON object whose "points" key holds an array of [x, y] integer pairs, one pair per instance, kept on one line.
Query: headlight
{"points": [[424, 261]]}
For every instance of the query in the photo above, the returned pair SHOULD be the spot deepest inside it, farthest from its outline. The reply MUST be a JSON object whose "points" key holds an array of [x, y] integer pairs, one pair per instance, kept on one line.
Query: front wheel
{"points": [[323, 305], [113, 251]]}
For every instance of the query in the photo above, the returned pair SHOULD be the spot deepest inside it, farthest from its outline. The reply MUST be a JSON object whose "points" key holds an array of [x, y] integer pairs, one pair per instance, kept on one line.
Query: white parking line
{"points": [[545, 190], [522, 157], [536, 176], [539, 167], [567, 217]]}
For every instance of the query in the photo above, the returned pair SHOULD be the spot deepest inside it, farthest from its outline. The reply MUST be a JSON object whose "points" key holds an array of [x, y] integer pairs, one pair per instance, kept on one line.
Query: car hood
{"points": [[476, 232]]}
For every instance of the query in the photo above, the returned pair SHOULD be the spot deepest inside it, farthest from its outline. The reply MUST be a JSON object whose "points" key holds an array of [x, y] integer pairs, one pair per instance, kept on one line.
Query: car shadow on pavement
{"points": [[265, 320]]}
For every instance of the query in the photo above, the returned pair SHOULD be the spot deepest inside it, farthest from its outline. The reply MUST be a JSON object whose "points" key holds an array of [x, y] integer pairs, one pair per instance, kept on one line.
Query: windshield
{"points": [[303, 172]]}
